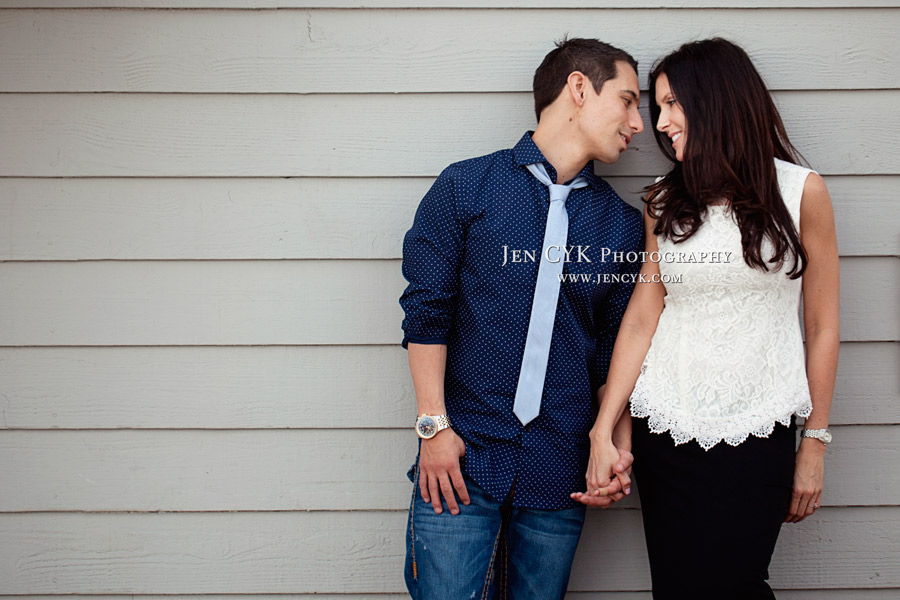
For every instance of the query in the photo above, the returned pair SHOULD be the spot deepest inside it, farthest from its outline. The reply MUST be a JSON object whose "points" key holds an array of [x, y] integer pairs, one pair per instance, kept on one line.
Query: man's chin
{"points": [[608, 160]]}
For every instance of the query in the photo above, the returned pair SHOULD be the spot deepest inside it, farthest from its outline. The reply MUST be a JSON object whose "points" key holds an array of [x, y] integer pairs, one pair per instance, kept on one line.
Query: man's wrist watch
{"points": [[823, 435], [428, 426]]}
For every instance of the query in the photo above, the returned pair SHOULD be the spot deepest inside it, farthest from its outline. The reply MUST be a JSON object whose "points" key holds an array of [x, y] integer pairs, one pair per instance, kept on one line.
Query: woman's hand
{"points": [[608, 468], [809, 480]]}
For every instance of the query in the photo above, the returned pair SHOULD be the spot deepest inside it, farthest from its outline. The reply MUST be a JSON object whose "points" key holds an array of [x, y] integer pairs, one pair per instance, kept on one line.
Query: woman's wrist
{"points": [[622, 441], [812, 445]]}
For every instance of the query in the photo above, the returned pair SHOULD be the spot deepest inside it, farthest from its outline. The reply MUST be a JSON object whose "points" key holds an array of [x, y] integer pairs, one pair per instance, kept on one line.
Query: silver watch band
{"points": [[823, 435], [443, 422]]}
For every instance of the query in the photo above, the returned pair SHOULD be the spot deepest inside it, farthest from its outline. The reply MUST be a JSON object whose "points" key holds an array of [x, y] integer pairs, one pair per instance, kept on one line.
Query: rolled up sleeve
{"points": [[432, 251]]}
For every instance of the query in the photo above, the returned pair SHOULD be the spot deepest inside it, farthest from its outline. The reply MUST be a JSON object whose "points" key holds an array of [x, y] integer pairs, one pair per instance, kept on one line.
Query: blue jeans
{"points": [[489, 548]]}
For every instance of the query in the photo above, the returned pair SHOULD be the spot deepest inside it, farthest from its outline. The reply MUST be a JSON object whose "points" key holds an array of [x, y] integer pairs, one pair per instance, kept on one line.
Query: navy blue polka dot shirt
{"points": [[471, 259]]}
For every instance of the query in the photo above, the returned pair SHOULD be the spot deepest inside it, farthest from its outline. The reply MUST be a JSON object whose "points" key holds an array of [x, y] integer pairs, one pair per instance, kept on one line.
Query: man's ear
{"points": [[575, 87]]}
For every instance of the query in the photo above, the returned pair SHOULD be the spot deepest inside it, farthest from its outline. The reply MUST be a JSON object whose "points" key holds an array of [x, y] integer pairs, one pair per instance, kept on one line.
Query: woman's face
{"points": [[671, 121]]}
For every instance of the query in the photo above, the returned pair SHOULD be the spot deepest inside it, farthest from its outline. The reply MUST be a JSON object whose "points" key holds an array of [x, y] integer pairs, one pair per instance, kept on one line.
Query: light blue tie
{"points": [[546, 295]]}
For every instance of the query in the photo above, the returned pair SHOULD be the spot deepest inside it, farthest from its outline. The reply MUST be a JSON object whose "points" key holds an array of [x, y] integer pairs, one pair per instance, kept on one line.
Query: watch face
{"points": [[427, 427], [826, 436]]}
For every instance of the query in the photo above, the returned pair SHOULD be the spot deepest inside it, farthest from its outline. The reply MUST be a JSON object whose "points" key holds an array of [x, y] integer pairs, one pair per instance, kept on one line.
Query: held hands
{"points": [[809, 476], [608, 475], [439, 471]]}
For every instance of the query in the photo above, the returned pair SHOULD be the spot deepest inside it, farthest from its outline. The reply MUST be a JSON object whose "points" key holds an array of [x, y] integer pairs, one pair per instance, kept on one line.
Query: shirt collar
{"points": [[526, 152]]}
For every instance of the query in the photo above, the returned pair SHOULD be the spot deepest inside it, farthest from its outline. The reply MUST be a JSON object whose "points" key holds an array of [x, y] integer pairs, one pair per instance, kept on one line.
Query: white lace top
{"points": [[727, 358]]}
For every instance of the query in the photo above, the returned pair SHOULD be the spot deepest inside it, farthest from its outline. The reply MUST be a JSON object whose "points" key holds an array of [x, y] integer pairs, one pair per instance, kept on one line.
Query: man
{"points": [[515, 296]]}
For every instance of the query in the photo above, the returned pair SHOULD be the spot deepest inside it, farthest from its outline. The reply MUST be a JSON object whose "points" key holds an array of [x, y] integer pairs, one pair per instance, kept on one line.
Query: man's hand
{"points": [[439, 471], [597, 501]]}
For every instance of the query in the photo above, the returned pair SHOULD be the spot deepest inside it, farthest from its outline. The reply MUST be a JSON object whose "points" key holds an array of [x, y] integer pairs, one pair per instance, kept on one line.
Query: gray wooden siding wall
{"points": [[201, 211]]}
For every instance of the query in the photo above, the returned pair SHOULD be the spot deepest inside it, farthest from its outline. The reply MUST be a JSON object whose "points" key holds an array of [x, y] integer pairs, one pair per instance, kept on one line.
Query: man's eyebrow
{"points": [[633, 94]]}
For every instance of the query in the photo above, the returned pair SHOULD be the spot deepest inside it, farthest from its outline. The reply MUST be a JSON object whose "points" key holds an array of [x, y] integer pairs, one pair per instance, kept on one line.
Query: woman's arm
{"points": [[821, 287], [632, 343]]}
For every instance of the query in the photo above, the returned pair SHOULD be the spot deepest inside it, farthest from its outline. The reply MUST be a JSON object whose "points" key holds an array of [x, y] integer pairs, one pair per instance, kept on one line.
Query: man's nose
{"points": [[640, 124]]}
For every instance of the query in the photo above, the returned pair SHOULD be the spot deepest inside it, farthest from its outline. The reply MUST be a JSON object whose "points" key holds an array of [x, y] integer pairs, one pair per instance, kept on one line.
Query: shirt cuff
{"points": [[422, 340]]}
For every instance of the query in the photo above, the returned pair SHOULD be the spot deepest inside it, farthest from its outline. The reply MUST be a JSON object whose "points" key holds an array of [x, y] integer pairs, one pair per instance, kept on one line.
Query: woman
{"points": [[712, 361]]}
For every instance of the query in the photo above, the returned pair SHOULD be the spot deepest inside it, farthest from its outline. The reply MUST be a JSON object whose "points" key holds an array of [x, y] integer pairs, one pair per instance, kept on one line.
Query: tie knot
{"points": [[559, 192]]}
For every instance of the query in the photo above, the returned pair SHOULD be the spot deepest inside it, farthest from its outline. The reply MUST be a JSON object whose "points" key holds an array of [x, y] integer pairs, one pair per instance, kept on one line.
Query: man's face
{"points": [[609, 119]]}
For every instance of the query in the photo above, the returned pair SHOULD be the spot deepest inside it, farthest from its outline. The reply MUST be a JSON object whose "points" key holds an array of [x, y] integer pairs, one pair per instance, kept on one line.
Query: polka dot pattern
{"points": [[468, 289]]}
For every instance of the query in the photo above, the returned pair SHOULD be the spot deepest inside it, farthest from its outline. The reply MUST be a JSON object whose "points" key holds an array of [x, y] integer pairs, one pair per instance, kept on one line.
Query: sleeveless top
{"points": [[727, 358]]}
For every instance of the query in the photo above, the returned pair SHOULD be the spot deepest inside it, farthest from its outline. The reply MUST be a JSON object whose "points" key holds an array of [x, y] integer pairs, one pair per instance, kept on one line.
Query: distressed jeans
{"points": [[489, 550]]}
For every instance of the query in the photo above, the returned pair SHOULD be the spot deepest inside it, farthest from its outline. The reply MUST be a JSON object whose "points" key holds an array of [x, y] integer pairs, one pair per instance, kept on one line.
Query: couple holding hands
{"points": [[541, 382]]}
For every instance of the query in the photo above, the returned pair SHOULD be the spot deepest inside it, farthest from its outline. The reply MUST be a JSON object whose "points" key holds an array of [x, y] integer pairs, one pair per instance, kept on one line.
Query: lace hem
{"points": [[731, 430]]}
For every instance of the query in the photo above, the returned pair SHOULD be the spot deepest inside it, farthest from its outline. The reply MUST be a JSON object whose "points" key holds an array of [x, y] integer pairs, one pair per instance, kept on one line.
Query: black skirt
{"points": [[712, 517]]}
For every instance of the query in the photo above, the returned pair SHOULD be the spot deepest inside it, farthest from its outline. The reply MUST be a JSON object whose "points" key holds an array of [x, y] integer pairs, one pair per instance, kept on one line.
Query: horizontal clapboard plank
{"points": [[234, 218], [305, 469], [241, 218], [843, 594], [835, 594], [253, 387], [257, 470], [361, 135], [116, 303], [362, 552], [782, 595], [280, 4], [229, 387], [199, 303], [335, 51]]}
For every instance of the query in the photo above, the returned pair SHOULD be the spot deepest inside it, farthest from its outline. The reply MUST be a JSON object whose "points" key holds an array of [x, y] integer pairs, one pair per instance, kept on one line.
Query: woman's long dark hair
{"points": [[733, 130]]}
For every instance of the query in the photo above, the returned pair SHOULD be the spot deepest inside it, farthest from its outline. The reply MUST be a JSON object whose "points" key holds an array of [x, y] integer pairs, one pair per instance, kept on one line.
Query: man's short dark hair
{"points": [[596, 59]]}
